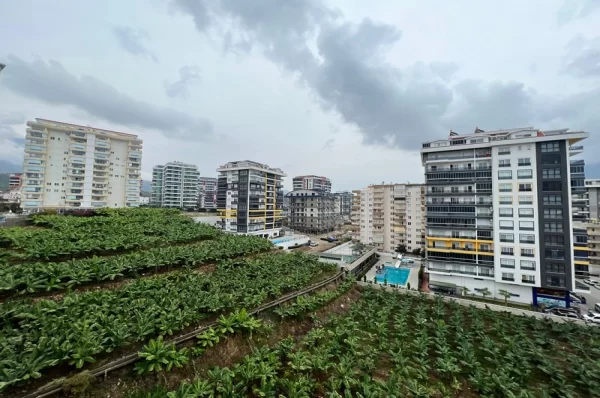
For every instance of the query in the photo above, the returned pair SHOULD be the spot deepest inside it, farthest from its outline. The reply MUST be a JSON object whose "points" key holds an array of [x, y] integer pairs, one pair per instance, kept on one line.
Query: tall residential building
{"points": [[71, 166], [389, 216], [175, 184], [499, 213], [312, 210], [345, 203], [312, 182], [10, 181], [592, 187], [207, 198], [250, 198]]}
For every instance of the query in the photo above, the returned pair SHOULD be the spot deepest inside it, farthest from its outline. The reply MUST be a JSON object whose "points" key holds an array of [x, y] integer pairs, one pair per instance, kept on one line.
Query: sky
{"points": [[347, 89]]}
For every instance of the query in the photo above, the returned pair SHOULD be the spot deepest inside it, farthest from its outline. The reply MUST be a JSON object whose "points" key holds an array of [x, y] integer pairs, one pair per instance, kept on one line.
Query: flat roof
{"points": [[77, 126]]}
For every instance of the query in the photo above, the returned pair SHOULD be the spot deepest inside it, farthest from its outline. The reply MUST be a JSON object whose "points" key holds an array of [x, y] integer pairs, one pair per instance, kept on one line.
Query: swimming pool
{"points": [[397, 276]]}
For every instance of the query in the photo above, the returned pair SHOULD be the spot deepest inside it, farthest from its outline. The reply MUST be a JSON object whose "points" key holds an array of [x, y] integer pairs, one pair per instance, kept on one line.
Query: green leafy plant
{"points": [[159, 356]]}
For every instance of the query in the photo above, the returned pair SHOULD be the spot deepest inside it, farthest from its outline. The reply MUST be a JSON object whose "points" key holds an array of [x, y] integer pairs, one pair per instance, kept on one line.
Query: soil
{"points": [[122, 382]]}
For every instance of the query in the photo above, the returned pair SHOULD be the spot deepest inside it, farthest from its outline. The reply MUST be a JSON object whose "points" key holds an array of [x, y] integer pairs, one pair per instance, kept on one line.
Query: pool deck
{"points": [[413, 277]]}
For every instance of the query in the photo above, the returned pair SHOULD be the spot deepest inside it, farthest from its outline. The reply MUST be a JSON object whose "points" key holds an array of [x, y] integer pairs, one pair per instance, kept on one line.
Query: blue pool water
{"points": [[397, 276], [281, 240]]}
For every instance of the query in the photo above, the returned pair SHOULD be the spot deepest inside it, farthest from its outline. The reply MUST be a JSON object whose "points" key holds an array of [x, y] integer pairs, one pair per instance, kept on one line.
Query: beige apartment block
{"points": [[70, 166], [390, 215]]}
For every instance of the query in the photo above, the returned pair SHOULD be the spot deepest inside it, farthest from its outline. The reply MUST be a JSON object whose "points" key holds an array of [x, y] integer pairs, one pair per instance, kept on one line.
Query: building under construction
{"points": [[312, 211]]}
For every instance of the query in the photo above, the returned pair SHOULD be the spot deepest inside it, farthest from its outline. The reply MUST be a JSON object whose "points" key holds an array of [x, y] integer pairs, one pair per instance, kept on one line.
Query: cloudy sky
{"points": [[343, 88]]}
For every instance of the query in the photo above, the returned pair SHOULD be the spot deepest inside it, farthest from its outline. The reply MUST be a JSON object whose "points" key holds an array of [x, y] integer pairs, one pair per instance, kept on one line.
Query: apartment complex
{"points": [[207, 198], [10, 181], [499, 213], [389, 216], [592, 187], [175, 184], [312, 182], [250, 198], [312, 210], [71, 166], [344, 203]]}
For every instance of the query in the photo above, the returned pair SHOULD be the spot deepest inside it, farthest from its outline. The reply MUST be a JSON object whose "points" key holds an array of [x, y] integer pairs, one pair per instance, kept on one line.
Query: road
{"points": [[592, 298]]}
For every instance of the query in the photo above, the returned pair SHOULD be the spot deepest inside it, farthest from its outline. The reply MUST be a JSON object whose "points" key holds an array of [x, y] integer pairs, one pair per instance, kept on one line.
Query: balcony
{"points": [[36, 135], [35, 148]]}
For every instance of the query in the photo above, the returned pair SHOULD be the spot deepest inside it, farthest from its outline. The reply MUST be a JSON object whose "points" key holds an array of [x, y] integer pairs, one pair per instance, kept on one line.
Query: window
{"points": [[506, 212], [526, 212], [507, 251], [553, 213], [528, 265], [554, 240], [505, 187], [550, 159], [507, 263], [504, 174], [527, 252], [524, 173], [553, 227], [504, 163], [526, 238], [555, 268], [506, 200], [505, 224], [552, 199], [526, 200], [552, 186], [524, 162], [551, 173], [528, 279], [556, 254], [524, 187], [504, 151], [507, 238], [555, 281], [508, 277], [550, 147], [526, 225]]}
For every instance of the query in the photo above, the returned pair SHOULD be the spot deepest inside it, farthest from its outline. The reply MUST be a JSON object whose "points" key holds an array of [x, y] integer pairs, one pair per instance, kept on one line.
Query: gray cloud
{"points": [[572, 10], [344, 64], [11, 142], [132, 41], [188, 75], [582, 58], [51, 83], [328, 146]]}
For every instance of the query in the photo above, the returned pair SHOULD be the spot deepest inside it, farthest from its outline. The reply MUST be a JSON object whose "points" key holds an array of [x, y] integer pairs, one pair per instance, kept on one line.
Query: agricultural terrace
{"points": [[200, 274], [401, 345]]}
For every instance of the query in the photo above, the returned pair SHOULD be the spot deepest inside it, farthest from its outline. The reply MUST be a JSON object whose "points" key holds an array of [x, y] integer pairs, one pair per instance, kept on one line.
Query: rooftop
{"points": [[69, 126], [247, 164], [497, 136]]}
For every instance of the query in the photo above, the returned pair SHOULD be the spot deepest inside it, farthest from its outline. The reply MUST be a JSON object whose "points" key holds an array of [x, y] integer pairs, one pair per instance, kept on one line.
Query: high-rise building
{"points": [[208, 193], [175, 184], [312, 182], [71, 166], [499, 213], [312, 210], [344, 206], [250, 198], [390, 216], [10, 181], [592, 187]]}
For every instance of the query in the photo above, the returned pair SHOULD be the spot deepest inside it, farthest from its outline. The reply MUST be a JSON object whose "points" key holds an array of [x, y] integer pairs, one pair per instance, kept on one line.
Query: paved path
{"points": [[493, 307]]}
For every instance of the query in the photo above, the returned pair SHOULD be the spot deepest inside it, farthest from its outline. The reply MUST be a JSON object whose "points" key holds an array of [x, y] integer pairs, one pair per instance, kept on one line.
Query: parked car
{"points": [[566, 312], [597, 307], [314, 244], [592, 282], [577, 299], [592, 317]]}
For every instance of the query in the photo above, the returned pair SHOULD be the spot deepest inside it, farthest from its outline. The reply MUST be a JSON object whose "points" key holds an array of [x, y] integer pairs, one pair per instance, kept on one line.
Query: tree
{"points": [[401, 249], [465, 290], [485, 292], [506, 294], [417, 252]]}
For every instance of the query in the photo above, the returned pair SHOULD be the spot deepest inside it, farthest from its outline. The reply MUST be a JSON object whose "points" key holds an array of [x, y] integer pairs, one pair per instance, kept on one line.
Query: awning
{"points": [[442, 284]]}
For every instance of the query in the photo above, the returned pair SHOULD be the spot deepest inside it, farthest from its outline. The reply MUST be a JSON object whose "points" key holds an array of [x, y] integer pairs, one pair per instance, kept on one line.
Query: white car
{"points": [[592, 317], [592, 282]]}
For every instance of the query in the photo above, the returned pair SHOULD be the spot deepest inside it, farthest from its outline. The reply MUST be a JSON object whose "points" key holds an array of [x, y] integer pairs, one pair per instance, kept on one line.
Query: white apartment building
{"points": [[318, 183], [389, 216], [208, 193], [175, 184], [70, 166], [499, 214], [250, 198]]}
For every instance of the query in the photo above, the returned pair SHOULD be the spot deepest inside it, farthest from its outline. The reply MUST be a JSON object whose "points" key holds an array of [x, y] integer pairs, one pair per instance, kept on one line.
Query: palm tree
{"points": [[465, 291], [485, 292], [506, 294]]}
